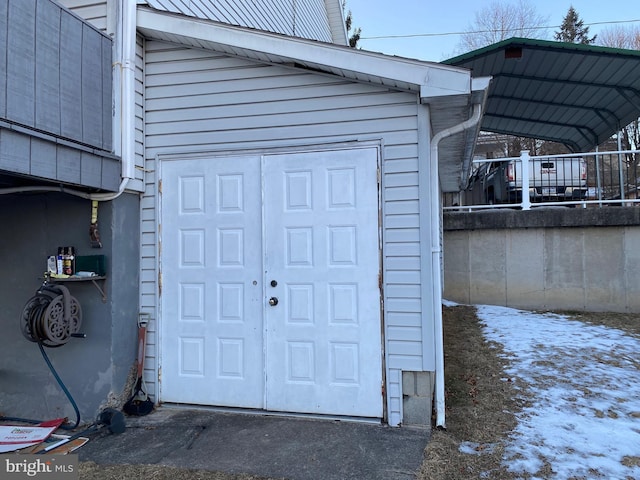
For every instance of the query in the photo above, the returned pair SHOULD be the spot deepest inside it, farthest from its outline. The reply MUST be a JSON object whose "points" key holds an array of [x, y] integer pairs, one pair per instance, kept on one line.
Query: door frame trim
{"points": [[171, 156]]}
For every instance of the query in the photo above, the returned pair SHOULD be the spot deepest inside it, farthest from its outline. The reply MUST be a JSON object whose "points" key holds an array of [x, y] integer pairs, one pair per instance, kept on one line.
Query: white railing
{"points": [[607, 179]]}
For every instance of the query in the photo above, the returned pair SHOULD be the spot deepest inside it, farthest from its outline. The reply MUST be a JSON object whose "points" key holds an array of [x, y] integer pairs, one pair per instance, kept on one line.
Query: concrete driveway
{"points": [[271, 446]]}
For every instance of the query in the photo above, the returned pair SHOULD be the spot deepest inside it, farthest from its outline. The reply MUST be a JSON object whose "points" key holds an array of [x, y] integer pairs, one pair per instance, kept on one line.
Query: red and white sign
{"points": [[15, 437]]}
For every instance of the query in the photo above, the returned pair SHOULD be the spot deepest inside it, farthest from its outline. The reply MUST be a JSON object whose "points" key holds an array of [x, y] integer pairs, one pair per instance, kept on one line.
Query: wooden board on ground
{"points": [[62, 449]]}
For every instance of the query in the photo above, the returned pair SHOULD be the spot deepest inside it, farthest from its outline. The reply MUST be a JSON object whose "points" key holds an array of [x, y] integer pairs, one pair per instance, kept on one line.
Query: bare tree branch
{"points": [[501, 20]]}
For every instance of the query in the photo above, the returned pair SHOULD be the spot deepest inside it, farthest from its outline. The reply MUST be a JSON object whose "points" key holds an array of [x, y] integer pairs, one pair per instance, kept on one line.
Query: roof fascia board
{"points": [[336, 17], [539, 45], [480, 87], [479, 92], [433, 79]]}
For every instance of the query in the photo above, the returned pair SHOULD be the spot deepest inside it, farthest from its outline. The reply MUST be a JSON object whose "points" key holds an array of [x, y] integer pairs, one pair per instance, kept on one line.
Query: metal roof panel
{"points": [[579, 95]]}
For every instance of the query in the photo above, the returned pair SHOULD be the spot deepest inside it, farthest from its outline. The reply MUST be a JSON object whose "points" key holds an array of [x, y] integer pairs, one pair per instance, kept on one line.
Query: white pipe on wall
{"points": [[124, 75], [436, 253]]}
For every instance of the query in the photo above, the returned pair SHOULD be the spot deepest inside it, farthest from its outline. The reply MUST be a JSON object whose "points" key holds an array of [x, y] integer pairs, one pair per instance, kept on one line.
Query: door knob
{"points": [[274, 283], [273, 301]]}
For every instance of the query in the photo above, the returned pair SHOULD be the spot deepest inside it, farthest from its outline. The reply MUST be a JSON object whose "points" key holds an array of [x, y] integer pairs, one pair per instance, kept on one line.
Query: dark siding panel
{"points": [[70, 77], [91, 86], [47, 90], [4, 6], [68, 169], [55, 72], [21, 67], [111, 169], [55, 93], [14, 151], [91, 170], [43, 158], [107, 142]]}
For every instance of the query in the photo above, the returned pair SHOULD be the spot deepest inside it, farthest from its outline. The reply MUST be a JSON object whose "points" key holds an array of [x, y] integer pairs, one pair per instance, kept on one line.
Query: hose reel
{"points": [[51, 317]]}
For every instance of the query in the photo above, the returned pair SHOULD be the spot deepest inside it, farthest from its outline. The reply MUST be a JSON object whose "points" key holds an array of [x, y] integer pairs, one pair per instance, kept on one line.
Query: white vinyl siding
{"points": [[201, 101], [138, 183], [94, 12], [298, 18]]}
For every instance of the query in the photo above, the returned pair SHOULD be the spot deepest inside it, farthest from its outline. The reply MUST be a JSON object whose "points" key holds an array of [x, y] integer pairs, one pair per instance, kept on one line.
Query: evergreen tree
{"points": [[354, 37], [573, 30]]}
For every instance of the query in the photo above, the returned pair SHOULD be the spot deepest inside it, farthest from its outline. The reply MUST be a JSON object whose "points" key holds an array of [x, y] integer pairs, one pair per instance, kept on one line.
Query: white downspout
{"points": [[436, 252], [124, 78], [124, 71]]}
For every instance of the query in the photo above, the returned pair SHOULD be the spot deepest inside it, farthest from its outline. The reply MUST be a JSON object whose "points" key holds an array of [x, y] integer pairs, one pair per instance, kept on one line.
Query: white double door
{"points": [[270, 282]]}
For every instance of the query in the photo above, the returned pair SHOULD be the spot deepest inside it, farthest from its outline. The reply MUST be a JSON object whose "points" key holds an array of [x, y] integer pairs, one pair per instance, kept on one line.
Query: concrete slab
{"points": [[271, 446]]}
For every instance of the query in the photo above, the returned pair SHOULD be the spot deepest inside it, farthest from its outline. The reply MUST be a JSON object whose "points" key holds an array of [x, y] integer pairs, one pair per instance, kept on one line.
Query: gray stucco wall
{"points": [[556, 259], [93, 369]]}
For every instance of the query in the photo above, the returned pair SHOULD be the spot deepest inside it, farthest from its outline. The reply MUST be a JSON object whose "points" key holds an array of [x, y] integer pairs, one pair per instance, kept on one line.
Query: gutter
{"points": [[124, 70], [436, 253]]}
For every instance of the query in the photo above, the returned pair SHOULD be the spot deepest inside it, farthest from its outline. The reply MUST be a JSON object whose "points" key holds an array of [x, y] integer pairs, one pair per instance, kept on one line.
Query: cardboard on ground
{"points": [[16, 437]]}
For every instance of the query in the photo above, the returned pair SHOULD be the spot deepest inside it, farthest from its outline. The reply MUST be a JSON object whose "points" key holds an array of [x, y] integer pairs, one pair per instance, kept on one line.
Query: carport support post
{"points": [[620, 171], [525, 164]]}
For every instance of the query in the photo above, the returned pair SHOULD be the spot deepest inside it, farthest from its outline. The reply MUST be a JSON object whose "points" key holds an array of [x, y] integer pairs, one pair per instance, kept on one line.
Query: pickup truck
{"points": [[550, 179]]}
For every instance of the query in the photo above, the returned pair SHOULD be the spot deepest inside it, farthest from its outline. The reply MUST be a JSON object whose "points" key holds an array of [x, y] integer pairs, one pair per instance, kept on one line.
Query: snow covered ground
{"points": [[584, 420]]}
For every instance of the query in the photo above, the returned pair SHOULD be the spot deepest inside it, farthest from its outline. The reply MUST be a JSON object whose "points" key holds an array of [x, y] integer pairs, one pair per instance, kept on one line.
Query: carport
{"points": [[577, 95], [558, 258]]}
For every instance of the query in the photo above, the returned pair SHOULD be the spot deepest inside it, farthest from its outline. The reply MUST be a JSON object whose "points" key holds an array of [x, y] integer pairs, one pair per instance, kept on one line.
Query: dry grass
{"points": [[629, 322], [480, 404], [93, 471]]}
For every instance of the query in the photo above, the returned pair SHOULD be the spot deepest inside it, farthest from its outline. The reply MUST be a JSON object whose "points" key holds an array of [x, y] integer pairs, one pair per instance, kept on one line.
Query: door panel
{"points": [[321, 248], [270, 295], [211, 303]]}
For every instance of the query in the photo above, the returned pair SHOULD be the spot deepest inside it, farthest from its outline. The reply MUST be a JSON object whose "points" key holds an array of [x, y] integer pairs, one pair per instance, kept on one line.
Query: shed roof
{"points": [[334, 9], [578, 95], [449, 90]]}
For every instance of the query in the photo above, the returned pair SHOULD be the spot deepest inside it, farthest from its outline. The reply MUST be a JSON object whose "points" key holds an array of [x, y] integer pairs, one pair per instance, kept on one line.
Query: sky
{"points": [[584, 418], [428, 17]]}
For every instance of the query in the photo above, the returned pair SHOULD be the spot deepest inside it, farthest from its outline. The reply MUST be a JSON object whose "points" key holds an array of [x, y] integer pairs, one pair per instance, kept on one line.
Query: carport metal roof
{"points": [[578, 95]]}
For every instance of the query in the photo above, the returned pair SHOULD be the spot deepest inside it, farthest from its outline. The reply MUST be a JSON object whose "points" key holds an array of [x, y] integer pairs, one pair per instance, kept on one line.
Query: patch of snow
{"points": [[473, 448], [584, 420]]}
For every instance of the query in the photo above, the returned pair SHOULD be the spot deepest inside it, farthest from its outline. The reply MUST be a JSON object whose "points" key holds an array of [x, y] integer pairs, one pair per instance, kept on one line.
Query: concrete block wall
{"points": [[417, 395], [555, 259]]}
